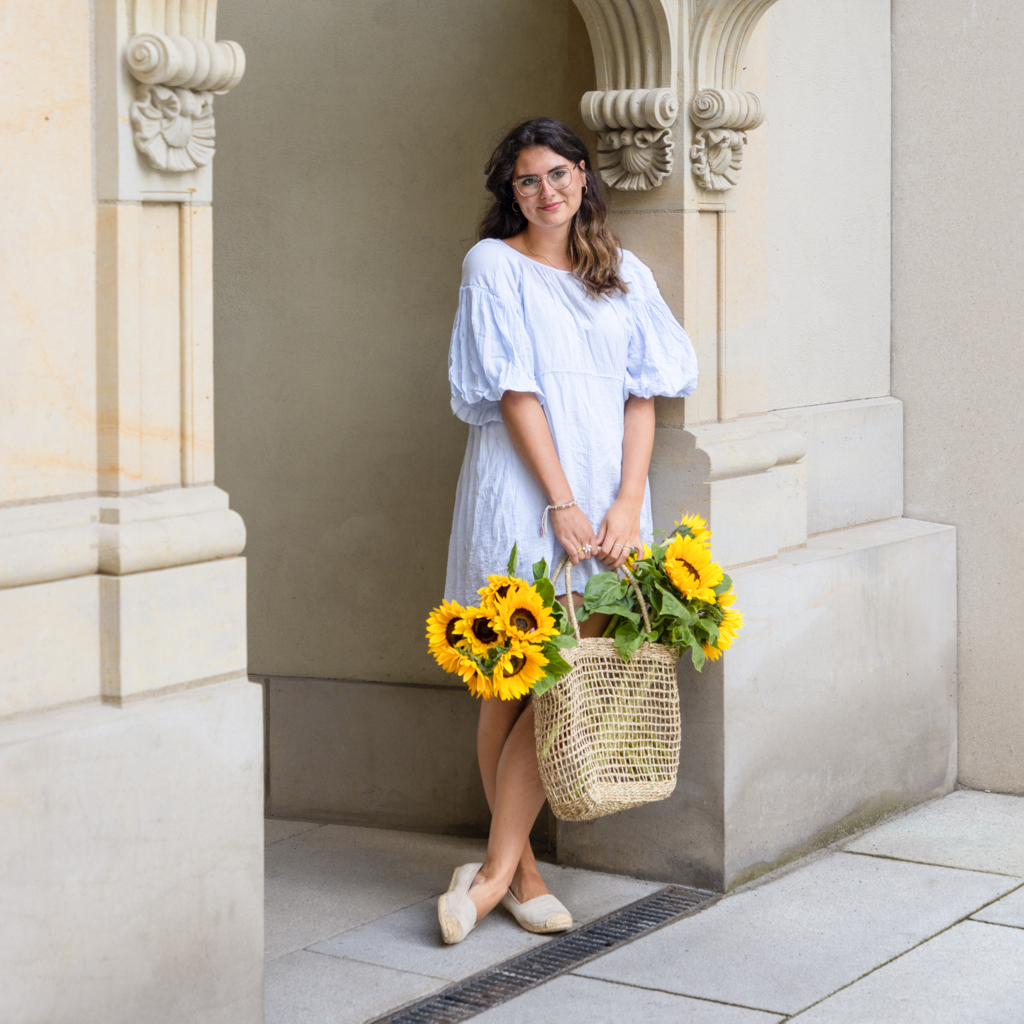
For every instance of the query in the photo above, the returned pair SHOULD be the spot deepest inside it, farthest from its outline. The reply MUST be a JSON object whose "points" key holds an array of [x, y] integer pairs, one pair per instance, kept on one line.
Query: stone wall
{"points": [[958, 320]]}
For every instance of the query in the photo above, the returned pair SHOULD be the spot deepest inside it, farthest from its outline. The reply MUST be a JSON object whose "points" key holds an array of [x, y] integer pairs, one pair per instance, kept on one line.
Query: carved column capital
{"points": [[173, 112], [722, 113], [635, 104]]}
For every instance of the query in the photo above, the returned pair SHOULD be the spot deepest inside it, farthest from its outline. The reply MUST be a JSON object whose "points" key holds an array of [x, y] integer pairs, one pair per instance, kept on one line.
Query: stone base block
{"points": [[376, 754], [836, 706], [131, 862]]}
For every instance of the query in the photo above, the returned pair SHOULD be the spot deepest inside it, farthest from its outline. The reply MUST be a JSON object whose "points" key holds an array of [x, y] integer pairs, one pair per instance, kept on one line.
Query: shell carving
{"points": [[174, 127], [634, 160], [717, 155]]}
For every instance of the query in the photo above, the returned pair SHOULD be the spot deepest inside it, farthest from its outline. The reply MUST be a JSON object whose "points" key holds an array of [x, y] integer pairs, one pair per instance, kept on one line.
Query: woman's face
{"points": [[551, 207]]}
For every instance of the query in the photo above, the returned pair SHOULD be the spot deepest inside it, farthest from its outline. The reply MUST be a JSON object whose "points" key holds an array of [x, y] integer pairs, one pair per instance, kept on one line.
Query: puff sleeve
{"points": [[490, 352], [661, 360]]}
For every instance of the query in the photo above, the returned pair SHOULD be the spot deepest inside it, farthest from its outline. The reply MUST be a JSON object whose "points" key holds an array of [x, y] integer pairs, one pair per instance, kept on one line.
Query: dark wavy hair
{"points": [[593, 247]]}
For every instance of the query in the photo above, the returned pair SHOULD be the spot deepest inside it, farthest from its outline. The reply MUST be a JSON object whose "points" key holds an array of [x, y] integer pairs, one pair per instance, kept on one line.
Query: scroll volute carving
{"points": [[179, 68], [721, 111], [635, 103]]}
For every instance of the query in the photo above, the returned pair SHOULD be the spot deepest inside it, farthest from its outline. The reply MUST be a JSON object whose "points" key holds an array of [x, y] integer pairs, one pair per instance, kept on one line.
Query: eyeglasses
{"points": [[530, 184]]}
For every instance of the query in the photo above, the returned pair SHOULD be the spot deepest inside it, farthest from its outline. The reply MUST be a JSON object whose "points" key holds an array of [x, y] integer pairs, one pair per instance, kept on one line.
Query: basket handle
{"points": [[566, 564]]}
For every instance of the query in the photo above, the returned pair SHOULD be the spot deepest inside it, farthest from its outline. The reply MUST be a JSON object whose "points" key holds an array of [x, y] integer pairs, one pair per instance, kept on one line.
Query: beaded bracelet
{"points": [[552, 508]]}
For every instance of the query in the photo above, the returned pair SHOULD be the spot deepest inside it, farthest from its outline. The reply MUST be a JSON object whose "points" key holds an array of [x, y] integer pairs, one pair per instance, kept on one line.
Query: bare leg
{"points": [[508, 766], [497, 717], [518, 798]]}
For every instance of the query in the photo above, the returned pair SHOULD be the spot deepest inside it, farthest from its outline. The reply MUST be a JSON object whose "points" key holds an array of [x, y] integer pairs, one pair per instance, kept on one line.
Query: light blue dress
{"points": [[524, 326]]}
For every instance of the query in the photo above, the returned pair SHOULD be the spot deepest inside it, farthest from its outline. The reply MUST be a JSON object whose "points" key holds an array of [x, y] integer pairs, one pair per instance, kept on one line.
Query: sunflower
{"points": [[726, 600], [522, 615], [479, 684], [444, 634], [698, 528], [731, 624], [518, 671], [689, 566], [498, 586], [711, 653], [480, 630]]}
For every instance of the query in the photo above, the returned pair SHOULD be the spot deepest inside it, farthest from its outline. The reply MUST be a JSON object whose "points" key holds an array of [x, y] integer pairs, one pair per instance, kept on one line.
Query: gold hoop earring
{"points": [[584, 189], [515, 206]]}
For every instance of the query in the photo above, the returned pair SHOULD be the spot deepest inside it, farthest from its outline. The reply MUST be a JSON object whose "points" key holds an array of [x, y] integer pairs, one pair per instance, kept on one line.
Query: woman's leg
{"points": [[508, 766], [497, 717], [518, 798]]}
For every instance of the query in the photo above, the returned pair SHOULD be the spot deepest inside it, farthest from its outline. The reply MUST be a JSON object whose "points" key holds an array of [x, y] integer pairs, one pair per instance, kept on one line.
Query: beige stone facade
{"points": [[791, 173]]}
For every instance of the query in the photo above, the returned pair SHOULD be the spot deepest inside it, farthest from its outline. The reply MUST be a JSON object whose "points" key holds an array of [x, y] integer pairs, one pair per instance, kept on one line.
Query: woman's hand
{"points": [[619, 533], [574, 533]]}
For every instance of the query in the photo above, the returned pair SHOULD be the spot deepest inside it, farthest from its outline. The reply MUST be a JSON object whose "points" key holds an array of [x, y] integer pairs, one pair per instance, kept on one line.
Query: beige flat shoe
{"points": [[541, 915], [455, 910]]}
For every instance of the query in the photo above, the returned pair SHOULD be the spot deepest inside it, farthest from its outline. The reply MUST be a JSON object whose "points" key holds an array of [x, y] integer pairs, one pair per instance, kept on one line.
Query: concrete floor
{"points": [[920, 919]]}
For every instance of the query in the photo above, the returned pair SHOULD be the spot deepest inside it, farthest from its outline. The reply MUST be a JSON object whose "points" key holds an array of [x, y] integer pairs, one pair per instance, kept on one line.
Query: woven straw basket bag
{"points": [[608, 731]]}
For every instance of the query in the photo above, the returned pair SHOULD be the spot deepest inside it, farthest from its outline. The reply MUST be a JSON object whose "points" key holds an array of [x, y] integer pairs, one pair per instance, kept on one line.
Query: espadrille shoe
{"points": [[540, 915], [455, 910]]}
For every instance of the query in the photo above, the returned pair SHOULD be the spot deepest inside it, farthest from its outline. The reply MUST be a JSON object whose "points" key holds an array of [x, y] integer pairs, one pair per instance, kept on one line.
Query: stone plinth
{"points": [[836, 705]]}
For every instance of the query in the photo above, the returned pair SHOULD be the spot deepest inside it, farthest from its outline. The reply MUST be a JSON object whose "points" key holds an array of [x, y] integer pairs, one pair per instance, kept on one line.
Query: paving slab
{"points": [[570, 999], [336, 877], [971, 974], [308, 988], [410, 939], [276, 829], [788, 944], [1009, 911], [966, 829]]}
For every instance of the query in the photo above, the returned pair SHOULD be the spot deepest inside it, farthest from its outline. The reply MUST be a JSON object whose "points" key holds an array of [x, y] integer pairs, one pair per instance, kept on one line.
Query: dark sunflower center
{"points": [[518, 664], [690, 569], [502, 591], [524, 620], [449, 632], [483, 632]]}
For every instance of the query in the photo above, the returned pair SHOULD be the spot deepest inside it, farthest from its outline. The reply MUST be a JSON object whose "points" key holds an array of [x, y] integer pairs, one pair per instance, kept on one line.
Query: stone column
{"points": [[130, 737], [790, 738]]}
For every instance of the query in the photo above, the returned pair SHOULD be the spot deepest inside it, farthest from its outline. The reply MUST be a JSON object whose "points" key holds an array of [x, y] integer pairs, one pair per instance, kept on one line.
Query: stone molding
{"points": [[173, 113], [723, 113], [635, 103], [116, 536]]}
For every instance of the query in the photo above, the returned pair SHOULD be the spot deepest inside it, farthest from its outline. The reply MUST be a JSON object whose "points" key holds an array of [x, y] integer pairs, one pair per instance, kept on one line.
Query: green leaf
{"points": [[627, 640], [543, 685], [603, 588], [616, 609], [562, 642], [557, 665], [724, 585], [671, 605], [513, 559], [546, 589], [698, 657], [540, 570]]}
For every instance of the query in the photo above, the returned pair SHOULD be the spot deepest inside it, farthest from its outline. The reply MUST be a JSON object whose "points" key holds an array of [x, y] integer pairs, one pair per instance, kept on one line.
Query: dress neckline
{"points": [[536, 263]]}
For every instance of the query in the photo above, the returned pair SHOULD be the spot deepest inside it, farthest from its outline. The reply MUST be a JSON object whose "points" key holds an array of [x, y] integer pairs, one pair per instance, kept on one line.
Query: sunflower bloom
{"points": [[479, 684], [481, 631], [726, 600], [444, 634], [689, 566], [711, 653], [731, 624], [698, 528], [498, 587], [518, 671], [522, 615]]}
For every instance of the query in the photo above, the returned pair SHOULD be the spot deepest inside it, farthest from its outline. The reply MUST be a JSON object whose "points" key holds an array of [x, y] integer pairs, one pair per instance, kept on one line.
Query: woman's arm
{"points": [[620, 528], [528, 427]]}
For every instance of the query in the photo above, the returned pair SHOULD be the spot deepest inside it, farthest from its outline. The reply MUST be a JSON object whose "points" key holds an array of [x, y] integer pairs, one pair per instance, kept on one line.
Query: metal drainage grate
{"points": [[505, 981]]}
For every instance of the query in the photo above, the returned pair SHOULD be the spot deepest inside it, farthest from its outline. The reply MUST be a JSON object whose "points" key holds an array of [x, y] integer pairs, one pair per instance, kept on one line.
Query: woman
{"points": [[560, 344]]}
